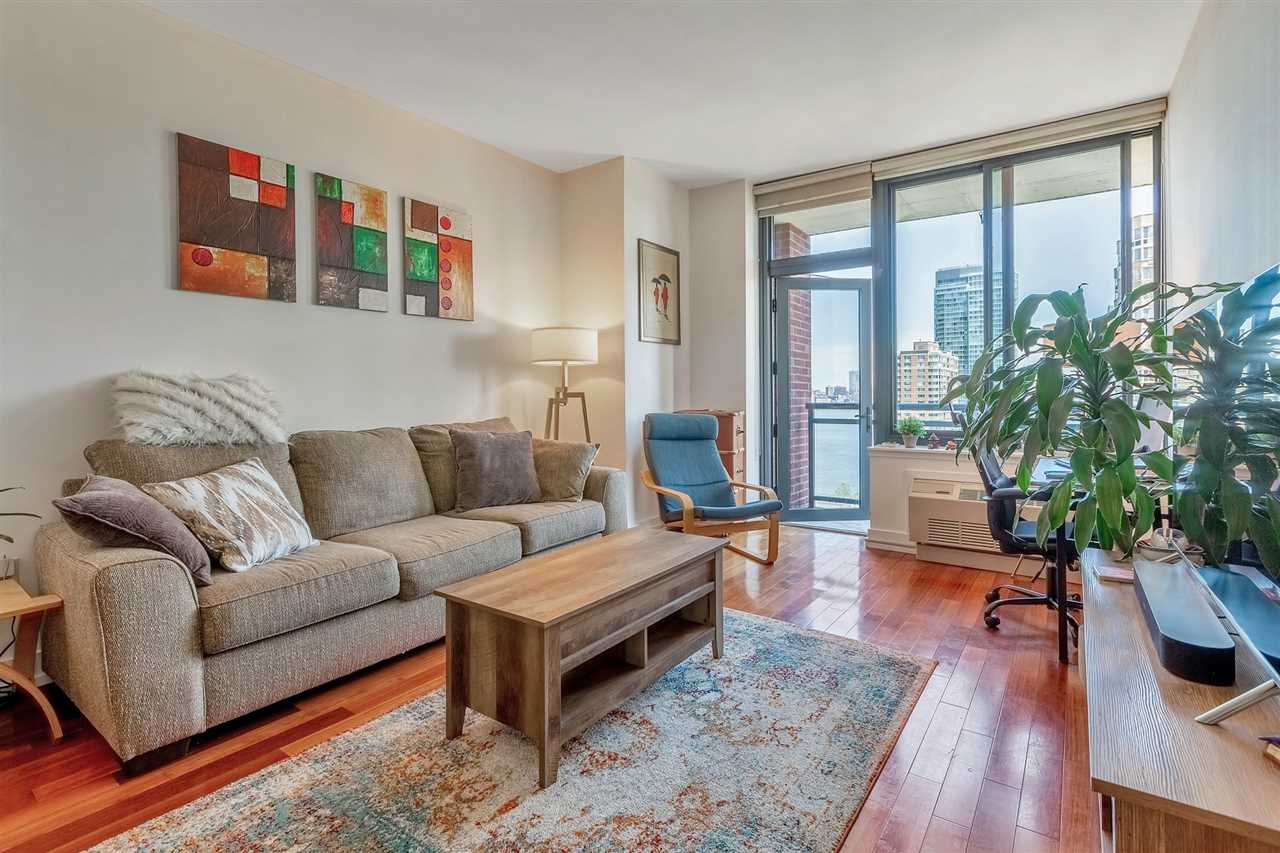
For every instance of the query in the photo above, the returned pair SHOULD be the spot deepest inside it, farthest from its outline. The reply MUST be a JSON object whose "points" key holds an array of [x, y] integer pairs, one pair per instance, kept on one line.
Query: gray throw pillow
{"points": [[117, 514], [435, 449], [563, 467], [494, 469]]}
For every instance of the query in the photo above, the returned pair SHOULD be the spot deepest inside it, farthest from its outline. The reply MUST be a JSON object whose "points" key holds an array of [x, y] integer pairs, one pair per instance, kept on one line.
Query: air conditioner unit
{"points": [[947, 519]]}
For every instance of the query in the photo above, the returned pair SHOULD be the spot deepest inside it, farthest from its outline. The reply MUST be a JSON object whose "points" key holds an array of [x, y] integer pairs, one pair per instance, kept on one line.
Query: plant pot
{"points": [[910, 440]]}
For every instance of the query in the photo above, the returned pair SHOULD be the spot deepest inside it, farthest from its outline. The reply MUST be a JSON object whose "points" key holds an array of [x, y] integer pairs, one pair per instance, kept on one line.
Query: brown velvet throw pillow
{"points": [[116, 514], [563, 467], [494, 469]]}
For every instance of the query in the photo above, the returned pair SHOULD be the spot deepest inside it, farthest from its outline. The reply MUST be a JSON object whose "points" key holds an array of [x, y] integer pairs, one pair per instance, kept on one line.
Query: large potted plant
{"points": [[1071, 388], [1227, 359]]}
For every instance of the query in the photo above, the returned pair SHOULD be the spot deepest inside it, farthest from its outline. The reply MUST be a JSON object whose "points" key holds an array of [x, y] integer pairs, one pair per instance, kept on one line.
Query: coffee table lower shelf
{"points": [[595, 688]]}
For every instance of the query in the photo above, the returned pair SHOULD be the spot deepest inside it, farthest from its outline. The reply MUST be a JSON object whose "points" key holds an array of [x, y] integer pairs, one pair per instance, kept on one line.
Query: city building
{"points": [[1142, 243], [924, 372], [957, 312]]}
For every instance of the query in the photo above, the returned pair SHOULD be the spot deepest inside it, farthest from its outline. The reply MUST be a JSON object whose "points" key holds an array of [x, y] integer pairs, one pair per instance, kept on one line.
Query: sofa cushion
{"points": [[360, 479], [303, 588], [147, 463], [435, 451], [439, 549], [546, 525]]}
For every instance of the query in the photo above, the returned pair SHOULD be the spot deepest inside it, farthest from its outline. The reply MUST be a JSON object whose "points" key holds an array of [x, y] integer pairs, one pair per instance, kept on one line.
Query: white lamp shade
{"points": [[567, 344]]}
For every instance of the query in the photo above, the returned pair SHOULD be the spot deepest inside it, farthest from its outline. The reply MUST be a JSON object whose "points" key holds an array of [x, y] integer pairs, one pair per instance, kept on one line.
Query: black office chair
{"points": [[1016, 536]]}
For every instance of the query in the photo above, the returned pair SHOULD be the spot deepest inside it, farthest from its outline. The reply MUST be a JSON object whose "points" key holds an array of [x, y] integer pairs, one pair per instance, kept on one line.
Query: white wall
{"points": [[592, 274], [725, 340], [1223, 146], [657, 375], [90, 96]]}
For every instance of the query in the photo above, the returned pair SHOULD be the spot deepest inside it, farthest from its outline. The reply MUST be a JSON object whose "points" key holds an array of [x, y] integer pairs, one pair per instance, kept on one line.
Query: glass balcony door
{"points": [[822, 400]]}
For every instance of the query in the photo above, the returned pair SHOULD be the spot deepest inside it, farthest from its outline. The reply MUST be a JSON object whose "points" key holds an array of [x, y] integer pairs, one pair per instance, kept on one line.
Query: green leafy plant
{"points": [[1069, 388], [911, 426], [1227, 359], [4, 536]]}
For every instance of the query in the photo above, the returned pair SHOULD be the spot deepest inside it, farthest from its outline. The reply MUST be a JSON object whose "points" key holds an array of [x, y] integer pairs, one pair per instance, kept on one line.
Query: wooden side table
{"points": [[29, 612]]}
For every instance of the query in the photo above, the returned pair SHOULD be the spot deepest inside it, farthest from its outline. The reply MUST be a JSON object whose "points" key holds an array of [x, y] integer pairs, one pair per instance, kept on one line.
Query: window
{"points": [[819, 230], [967, 244], [939, 293]]}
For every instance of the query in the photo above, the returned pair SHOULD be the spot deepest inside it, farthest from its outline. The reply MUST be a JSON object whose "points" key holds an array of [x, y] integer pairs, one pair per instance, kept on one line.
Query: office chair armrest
{"points": [[768, 493], [1006, 493]]}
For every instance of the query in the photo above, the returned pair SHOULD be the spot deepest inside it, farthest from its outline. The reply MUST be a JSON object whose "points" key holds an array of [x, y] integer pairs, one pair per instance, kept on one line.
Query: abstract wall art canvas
{"points": [[659, 293], [351, 244], [235, 222], [438, 279]]}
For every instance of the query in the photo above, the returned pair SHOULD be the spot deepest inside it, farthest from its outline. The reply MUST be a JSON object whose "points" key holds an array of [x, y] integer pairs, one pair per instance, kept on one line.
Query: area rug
{"points": [[774, 747]]}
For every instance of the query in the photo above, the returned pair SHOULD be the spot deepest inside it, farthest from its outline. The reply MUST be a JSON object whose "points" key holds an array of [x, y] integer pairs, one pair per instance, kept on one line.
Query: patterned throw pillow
{"points": [[238, 512]]}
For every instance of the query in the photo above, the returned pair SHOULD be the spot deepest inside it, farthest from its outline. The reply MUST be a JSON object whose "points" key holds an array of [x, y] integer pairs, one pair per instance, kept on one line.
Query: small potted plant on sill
{"points": [[910, 428]]}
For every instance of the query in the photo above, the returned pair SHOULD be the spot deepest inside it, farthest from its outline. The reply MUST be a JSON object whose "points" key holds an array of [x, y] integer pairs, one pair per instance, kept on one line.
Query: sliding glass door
{"points": [[824, 425]]}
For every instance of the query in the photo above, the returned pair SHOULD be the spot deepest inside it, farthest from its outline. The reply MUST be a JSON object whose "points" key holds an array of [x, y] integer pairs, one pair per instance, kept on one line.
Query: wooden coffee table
{"points": [[552, 644]]}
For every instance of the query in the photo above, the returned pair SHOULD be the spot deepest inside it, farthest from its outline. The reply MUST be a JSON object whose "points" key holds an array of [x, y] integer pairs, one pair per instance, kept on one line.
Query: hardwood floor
{"points": [[994, 757]]}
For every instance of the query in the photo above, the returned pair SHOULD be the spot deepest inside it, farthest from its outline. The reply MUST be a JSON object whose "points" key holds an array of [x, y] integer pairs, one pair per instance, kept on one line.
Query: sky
{"points": [[1057, 245]]}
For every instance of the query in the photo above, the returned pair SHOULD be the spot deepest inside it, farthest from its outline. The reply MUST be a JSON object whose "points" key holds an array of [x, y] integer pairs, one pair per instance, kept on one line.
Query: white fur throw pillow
{"points": [[152, 408], [237, 512]]}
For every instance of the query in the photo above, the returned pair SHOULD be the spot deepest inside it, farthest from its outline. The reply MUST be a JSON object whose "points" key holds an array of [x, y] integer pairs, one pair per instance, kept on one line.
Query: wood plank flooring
{"points": [[993, 758]]}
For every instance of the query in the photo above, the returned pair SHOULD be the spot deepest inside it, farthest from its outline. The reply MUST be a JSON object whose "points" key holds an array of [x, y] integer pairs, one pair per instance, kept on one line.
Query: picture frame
{"points": [[658, 283]]}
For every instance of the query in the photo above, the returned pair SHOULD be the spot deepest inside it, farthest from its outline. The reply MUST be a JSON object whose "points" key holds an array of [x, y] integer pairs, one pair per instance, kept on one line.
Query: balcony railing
{"points": [[835, 442]]}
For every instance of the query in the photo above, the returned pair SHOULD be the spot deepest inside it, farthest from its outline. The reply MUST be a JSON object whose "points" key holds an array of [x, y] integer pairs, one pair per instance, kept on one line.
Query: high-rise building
{"points": [[1142, 245], [855, 384], [924, 372], [957, 312]]}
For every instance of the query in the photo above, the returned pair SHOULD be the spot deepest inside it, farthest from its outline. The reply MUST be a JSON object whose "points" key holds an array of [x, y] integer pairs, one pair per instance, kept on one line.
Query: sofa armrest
{"points": [[125, 646], [609, 487]]}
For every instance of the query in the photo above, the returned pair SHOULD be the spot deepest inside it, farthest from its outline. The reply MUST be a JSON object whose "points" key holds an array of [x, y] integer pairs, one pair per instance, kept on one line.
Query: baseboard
{"points": [[890, 540]]}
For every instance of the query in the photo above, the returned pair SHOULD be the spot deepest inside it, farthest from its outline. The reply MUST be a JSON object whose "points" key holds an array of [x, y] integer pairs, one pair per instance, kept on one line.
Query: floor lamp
{"points": [[564, 345]]}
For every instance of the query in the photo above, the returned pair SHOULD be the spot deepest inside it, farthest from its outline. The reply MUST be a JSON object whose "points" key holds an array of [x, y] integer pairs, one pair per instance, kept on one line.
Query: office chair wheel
{"points": [[993, 595], [992, 621]]}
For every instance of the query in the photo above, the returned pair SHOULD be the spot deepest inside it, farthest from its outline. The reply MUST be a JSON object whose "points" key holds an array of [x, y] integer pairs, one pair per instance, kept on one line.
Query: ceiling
{"points": [[710, 91]]}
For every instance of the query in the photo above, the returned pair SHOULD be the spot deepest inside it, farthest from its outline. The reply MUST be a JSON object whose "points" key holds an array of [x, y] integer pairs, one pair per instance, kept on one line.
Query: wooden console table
{"points": [[1167, 782], [29, 613], [553, 643]]}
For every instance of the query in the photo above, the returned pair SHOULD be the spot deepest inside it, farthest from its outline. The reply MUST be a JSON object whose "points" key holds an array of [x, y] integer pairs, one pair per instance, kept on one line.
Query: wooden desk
{"points": [[1167, 782], [29, 612]]}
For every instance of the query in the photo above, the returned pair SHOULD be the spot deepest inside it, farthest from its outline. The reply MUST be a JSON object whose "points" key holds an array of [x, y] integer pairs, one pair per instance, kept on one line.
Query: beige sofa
{"points": [[150, 659]]}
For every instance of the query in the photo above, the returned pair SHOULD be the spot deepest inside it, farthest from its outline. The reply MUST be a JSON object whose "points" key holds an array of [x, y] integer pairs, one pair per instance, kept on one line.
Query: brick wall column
{"points": [[789, 242], [800, 340]]}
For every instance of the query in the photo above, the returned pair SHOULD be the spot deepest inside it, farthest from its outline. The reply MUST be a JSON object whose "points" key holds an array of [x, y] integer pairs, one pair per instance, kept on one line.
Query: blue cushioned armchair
{"points": [[695, 494]]}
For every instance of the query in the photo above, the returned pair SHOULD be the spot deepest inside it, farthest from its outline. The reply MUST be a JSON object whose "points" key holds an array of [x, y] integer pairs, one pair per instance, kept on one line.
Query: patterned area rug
{"points": [[772, 748]]}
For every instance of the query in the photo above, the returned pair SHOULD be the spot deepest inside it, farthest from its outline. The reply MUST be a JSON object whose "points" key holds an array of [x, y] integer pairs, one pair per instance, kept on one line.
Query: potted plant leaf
{"points": [[1071, 388]]}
